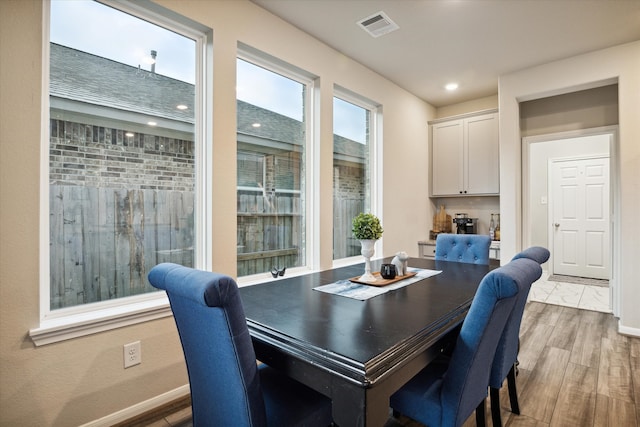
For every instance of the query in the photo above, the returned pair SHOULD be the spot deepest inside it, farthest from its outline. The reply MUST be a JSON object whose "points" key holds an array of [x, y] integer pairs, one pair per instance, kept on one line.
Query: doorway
{"points": [[539, 154]]}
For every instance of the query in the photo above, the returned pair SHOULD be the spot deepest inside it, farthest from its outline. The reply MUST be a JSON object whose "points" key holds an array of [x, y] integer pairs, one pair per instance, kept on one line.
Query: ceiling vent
{"points": [[378, 24]]}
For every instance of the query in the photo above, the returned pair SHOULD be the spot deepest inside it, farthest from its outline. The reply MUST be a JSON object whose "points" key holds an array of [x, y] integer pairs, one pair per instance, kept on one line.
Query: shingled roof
{"points": [[83, 77]]}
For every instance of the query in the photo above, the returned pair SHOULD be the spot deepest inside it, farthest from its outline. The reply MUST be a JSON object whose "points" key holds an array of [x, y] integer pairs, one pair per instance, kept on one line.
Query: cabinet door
{"points": [[446, 163], [482, 155]]}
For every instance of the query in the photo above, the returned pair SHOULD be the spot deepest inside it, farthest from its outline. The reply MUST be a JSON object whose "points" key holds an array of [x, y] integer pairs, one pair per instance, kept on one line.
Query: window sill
{"points": [[76, 325]]}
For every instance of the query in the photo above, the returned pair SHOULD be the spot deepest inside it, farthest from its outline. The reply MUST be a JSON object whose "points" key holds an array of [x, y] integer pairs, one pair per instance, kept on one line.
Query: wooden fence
{"points": [[344, 210], [104, 240], [269, 232]]}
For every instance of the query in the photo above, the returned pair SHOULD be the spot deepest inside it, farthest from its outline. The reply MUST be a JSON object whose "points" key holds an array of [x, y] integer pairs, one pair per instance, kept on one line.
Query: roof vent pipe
{"points": [[153, 63]]}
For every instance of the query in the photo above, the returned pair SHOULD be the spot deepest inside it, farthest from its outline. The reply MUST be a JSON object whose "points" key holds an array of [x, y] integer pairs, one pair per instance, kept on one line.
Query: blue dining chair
{"points": [[446, 392], [469, 248], [228, 387], [505, 361]]}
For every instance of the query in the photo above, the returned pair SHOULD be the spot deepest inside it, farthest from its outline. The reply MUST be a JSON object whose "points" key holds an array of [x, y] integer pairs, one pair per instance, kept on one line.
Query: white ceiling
{"points": [[471, 42]]}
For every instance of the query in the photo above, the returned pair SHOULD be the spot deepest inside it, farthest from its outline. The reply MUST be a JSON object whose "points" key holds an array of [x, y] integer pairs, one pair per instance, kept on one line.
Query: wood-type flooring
{"points": [[575, 370]]}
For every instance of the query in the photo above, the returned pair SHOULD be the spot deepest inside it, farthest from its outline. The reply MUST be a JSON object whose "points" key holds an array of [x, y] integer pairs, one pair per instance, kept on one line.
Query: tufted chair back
{"points": [[469, 248]]}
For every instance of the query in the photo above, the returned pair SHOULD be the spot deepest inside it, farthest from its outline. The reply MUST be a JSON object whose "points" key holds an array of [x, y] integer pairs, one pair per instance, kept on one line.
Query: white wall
{"points": [[600, 68]]}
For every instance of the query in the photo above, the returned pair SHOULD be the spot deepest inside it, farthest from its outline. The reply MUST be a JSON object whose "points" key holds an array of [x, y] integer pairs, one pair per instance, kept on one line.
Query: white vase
{"points": [[367, 251]]}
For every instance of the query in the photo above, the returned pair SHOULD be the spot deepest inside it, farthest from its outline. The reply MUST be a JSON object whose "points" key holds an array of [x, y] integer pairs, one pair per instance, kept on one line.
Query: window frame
{"points": [[375, 159], [311, 184], [67, 323]]}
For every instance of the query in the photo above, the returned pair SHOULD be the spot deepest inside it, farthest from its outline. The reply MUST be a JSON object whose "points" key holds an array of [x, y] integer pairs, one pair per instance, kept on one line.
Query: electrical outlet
{"points": [[132, 354]]}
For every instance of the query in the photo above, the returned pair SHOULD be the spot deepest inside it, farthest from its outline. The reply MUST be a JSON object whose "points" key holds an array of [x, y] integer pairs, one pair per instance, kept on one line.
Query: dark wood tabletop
{"points": [[358, 352]]}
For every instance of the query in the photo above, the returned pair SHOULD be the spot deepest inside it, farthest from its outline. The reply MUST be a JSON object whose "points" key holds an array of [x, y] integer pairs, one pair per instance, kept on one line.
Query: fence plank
{"points": [[56, 239], [122, 250], [91, 246], [73, 259]]}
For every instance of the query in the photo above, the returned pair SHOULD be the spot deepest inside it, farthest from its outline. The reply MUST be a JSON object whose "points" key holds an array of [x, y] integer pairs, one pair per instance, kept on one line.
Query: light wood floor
{"points": [[575, 370]]}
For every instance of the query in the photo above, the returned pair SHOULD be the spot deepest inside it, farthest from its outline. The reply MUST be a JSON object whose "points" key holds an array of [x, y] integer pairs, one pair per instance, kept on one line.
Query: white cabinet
{"points": [[465, 156], [427, 249]]}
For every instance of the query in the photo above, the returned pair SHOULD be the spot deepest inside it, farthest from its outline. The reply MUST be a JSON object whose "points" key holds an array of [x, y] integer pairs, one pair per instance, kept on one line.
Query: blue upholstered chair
{"points": [[228, 388], [469, 248], [447, 391], [506, 358]]}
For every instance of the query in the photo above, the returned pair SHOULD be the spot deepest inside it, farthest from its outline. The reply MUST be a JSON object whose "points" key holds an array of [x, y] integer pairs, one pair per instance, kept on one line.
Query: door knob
{"points": [[557, 225]]}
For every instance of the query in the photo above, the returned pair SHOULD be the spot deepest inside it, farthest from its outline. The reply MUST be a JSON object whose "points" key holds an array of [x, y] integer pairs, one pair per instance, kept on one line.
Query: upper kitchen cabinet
{"points": [[465, 156]]}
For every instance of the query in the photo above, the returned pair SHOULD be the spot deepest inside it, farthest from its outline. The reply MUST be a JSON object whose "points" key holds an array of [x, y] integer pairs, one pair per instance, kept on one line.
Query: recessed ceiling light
{"points": [[451, 86], [129, 134], [152, 123], [182, 107], [256, 125]]}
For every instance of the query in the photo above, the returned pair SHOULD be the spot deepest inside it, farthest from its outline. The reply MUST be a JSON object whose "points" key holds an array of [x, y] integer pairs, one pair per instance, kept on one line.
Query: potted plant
{"points": [[366, 227]]}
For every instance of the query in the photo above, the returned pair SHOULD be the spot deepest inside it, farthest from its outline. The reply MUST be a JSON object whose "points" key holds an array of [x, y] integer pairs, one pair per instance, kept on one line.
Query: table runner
{"points": [[346, 288]]}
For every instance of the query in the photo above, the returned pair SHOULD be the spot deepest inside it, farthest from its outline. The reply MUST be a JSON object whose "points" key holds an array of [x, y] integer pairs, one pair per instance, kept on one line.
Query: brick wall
{"points": [[94, 156]]}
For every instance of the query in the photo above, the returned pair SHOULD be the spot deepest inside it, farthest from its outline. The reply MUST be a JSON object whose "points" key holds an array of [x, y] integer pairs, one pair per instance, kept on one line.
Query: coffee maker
{"points": [[465, 225]]}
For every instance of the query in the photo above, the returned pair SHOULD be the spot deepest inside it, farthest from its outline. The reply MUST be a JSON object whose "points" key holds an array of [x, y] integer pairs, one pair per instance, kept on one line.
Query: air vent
{"points": [[378, 24]]}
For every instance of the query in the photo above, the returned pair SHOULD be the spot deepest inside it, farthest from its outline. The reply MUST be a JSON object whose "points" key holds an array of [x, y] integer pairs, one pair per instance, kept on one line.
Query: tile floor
{"points": [[586, 297]]}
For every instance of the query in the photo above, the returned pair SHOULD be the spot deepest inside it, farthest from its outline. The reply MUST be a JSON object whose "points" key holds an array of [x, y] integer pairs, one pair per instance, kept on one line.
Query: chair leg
{"points": [[495, 406], [480, 415], [513, 392]]}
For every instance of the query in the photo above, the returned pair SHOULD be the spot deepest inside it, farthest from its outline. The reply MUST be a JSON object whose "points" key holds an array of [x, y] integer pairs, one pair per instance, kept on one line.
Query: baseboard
{"points": [[140, 408], [625, 330]]}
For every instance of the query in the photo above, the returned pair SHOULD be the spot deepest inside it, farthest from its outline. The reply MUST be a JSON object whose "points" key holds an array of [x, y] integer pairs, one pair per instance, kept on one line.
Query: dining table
{"points": [[355, 348]]}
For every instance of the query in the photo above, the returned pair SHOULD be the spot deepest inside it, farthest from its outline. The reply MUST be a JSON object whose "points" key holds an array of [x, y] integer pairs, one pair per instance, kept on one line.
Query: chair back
{"points": [[466, 381], [469, 248], [528, 262], [536, 253], [221, 363]]}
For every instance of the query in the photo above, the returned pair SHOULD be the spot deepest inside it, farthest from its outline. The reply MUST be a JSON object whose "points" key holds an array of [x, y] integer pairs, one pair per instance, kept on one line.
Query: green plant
{"points": [[366, 226]]}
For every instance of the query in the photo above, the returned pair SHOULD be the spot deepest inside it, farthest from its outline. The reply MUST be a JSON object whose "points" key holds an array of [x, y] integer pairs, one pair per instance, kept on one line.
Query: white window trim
{"points": [[73, 322], [375, 160], [273, 64]]}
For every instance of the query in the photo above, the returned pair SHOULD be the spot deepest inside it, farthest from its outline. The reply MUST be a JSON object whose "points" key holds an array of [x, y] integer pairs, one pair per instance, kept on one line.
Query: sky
{"points": [[100, 30], [103, 31]]}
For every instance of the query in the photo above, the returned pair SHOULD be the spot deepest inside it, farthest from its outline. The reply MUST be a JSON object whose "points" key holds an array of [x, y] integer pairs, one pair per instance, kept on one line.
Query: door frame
{"points": [[614, 194]]}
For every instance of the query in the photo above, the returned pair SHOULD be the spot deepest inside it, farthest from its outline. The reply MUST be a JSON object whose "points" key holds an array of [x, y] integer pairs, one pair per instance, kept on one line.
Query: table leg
{"points": [[359, 407]]}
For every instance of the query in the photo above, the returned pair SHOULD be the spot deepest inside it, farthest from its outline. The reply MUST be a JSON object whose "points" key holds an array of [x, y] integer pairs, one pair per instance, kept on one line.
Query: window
{"points": [[272, 110], [353, 176], [124, 145]]}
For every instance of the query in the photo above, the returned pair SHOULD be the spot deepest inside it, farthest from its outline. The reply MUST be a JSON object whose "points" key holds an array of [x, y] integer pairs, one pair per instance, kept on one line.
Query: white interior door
{"points": [[580, 217]]}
